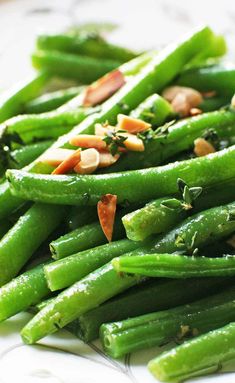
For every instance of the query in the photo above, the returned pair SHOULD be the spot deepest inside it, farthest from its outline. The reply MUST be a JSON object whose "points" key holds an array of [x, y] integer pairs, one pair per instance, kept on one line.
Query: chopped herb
{"points": [[114, 140]]}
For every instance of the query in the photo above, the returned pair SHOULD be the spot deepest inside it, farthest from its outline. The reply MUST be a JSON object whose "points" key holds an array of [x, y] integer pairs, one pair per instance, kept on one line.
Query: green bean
{"points": [[83, 238], [155, 218], [52, 100], [12, 103], [81, 297], [152, 218], [219, 78], [203, 355], [198, 230], [213, 103], [88, 45], [148, 297], [18, 245], [79, 216], [8, 202], [217, 48], [27, 127], [155, 110], [177, 138], [176, 266], [133, 186], [82, 68], [156, 329], [65, 272], [23, 156], [25, 290]]}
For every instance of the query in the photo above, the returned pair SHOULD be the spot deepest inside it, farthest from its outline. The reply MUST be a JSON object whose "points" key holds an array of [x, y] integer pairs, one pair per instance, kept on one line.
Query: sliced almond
{"points": [[180, 105], [88, 141], [192, 95], [195, 111], [69, 163], [131, 125], [106, 159], [203, 147], [106, 209], [101, 130], [89, 162], [55, 156], [102, 89], [133, 143]]}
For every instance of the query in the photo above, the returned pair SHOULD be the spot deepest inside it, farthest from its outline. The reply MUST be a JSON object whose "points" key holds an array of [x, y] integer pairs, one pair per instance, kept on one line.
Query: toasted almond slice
{"points": [[89, 161], [69, 163], [133, 143], [105, 87], [192, 95], [180, 105], [131, 125], [203, 147], [55, 156], [106, 159], [88, 141], [195, 111], [101, 130], [106, 209]]}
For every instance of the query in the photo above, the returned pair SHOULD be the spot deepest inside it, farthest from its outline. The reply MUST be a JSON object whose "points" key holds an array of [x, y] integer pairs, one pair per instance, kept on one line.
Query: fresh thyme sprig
{"points": [[114, 140], [189, 195], [160, 132]]}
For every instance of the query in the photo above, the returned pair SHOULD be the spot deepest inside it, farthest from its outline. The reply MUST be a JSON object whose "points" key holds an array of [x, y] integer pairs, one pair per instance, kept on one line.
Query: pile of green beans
{"points": [[168, 273]]}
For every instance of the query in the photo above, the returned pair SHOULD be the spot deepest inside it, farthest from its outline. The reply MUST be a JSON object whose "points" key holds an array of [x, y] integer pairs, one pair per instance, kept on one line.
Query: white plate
{"points": [[143, 24]]}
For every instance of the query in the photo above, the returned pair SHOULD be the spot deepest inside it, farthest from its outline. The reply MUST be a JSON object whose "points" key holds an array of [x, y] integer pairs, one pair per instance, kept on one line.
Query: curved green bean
{"points": [[133, 186], [176, 138]]}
